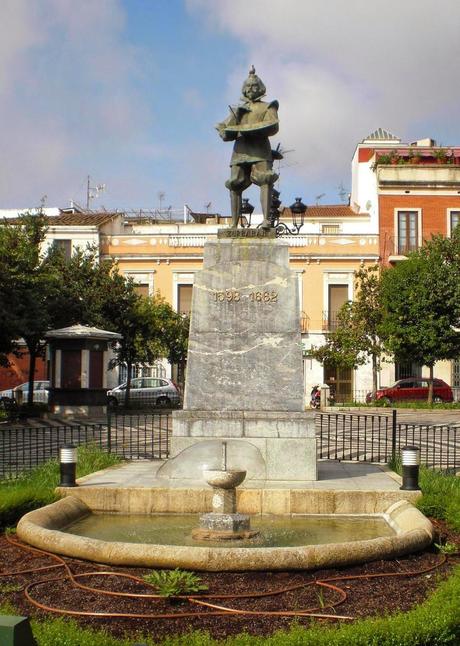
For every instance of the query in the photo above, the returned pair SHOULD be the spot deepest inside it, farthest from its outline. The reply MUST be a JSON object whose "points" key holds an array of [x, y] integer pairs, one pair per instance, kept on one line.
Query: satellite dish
{"points": [[368, 205]]}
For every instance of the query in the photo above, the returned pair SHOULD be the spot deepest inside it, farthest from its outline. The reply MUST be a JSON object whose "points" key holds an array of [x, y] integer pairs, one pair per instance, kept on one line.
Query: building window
{"points": [[330, 228], [456, 373], [406, 370], [184, 299], [340, 382], [157, 370], [64, 246], [142, 289], [407, 231], [454, 220], [143, 282], [337, 296]]}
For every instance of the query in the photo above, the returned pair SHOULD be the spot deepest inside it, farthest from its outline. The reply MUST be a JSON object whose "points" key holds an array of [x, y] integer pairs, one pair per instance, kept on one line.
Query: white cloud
{"points": [[68, 97], [342, 69]]}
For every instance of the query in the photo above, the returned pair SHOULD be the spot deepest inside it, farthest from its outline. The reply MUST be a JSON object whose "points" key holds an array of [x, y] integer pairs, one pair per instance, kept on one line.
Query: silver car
{"points": [[146, 390], [20, 393]]}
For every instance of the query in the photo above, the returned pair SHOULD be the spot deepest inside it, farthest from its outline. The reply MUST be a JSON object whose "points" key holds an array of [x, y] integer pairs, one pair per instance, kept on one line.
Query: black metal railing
{"points": [[23, 448], [136, 435], [131, 435], [438, 443], [380, 438]]}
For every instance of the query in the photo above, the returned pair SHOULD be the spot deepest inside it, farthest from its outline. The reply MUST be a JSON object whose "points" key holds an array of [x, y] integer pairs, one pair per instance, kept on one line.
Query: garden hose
{"points": [[202, 600]]}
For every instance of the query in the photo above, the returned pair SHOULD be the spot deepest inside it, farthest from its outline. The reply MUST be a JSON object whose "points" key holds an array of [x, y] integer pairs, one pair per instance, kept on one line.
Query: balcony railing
{"points": [[405, 247], [330, 321], [304, 322]]}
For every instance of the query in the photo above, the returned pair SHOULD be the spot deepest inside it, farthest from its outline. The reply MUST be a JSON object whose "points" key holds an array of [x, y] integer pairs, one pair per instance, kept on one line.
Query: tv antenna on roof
{"points": [[207, 206], [318, 197], [161, 197], [92, 191]]}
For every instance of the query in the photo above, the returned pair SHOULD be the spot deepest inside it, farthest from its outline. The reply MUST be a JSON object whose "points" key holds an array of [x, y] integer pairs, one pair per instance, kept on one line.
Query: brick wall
{"points": [[434, 216], [18, 372]]}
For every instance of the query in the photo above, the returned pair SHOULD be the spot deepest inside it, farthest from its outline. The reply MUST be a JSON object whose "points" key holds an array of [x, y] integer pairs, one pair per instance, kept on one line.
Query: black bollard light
{"points": [[68, 465], [410, 456]]}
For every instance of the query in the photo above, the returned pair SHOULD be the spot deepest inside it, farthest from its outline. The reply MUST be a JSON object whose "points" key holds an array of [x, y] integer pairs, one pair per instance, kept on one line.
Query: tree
{"points": [[28, 285], [92, 291], [421, 302], [178, 333], [151, 330], [356, 337]]}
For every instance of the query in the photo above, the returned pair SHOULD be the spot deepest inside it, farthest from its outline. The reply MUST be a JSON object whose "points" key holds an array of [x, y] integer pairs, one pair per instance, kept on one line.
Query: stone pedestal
{"points": [[244, 370], [286, 442], [245, 350]]}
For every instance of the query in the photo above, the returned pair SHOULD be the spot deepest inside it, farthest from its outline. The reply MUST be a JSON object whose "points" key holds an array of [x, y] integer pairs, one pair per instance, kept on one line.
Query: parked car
{"points": [[20, 393], [413, 389], [146, 390]]}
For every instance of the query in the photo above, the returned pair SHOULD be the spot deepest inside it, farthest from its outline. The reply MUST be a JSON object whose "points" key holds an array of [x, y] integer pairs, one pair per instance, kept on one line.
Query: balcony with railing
{"points": [[304, 323], [330, 320]]}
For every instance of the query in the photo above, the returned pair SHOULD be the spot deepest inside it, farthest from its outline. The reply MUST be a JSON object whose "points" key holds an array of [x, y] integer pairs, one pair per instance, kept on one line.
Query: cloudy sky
{"points": [[129, 91]]}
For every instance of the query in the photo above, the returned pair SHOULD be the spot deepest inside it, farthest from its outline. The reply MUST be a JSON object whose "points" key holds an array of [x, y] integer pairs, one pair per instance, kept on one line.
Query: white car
{"points": [[146, 390], [19, 393]]}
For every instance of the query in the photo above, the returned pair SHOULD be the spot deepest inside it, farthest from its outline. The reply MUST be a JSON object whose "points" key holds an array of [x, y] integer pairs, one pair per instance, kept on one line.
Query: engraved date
{"points": [[234, 296]]}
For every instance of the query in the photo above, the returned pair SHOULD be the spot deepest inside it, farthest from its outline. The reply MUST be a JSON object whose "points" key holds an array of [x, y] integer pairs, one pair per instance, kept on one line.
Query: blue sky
{"points": [[129, 91]]}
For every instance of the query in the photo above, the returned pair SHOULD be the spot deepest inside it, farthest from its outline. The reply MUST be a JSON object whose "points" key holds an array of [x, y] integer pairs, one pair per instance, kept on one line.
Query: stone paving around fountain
{"points": [[333, 475], [342, 487]]}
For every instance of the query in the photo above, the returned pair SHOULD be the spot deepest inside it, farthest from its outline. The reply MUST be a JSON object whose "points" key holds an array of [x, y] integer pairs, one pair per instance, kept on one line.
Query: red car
{"points": [[413, 389]]}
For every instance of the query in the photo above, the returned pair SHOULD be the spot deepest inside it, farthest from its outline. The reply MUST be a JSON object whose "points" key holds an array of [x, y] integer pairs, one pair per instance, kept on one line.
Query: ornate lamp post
{"points": [[298, 210], [246, 210]]}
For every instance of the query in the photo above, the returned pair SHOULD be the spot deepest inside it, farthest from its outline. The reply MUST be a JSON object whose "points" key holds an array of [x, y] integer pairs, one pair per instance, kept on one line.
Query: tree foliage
{"points": [[356, 337], [151, 330], [27, 286], [41, 291], [421, 304]]}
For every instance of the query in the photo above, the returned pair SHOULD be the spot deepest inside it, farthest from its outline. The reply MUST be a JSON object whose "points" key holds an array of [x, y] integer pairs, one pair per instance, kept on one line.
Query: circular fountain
{"points": [[247, 528]]}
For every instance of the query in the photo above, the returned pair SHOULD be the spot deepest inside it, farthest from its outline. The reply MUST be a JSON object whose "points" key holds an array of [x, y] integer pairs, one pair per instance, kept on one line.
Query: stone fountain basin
{"points": [[224, 479], [42, 528]]}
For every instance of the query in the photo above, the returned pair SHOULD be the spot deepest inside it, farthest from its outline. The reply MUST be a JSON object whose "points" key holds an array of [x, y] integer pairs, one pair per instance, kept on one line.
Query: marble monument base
{"points": [[285, 441]]}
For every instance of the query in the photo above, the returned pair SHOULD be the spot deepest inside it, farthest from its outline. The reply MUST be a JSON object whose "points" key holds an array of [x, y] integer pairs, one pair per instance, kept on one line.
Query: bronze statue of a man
{"points": [[249, 125]]}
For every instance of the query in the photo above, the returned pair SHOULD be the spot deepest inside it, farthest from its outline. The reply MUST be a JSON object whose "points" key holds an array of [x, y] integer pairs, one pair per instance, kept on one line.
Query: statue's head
{"points": [[253, 88]]}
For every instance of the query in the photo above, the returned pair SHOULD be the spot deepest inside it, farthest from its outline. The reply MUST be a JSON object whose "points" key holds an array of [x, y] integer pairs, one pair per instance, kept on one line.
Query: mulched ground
{"points": [[365, 597]]}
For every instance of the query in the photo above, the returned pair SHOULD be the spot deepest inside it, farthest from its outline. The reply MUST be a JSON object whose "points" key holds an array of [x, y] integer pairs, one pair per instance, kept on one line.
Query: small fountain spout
{"points": [[223, 522], [224, 456]]}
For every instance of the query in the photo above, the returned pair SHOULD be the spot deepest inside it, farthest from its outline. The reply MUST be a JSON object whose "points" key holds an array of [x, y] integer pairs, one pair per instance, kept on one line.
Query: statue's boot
{"points": [[235, 204], [265, 201]]}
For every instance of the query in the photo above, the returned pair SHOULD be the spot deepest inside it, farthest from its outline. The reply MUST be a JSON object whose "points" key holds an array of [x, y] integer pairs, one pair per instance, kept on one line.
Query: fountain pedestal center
{"points": [[224, 522]]}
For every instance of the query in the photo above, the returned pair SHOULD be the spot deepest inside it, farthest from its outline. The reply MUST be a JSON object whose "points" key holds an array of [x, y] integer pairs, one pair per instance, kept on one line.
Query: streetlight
{"points": [[246, 210], [298, 210]]}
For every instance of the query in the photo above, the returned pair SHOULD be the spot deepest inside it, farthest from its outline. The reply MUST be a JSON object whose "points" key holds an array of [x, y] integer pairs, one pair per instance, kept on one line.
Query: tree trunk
{"points": [[430, 385], [374, 373], [129, 368], [32, 361]]}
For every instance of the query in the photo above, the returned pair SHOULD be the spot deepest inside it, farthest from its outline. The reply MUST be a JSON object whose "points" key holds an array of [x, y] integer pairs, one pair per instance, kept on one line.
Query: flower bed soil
{"points": [[368, 596]]}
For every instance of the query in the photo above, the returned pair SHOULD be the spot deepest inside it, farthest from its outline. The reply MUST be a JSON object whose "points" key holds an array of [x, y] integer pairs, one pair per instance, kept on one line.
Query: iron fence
{"points": [[131, 435], [380, 438], [137, 435], [360, 395], [23, 448]]}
